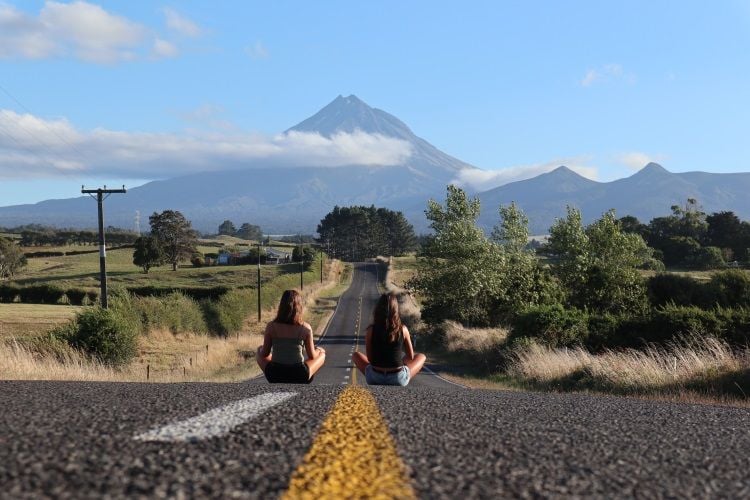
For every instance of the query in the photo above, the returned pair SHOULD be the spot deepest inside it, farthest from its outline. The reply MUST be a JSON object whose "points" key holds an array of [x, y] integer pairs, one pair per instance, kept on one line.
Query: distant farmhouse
{"points": [[236, 258]]}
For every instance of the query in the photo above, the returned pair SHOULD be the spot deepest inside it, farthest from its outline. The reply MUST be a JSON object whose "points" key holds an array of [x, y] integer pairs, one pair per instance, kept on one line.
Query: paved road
{"points": [[253, 440]]}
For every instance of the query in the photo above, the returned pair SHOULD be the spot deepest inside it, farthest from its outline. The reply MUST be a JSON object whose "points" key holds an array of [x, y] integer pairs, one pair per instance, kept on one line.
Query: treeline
{"points": [[688, 237], [591, 292], [359, 232], [246, 231], [35, 235]]}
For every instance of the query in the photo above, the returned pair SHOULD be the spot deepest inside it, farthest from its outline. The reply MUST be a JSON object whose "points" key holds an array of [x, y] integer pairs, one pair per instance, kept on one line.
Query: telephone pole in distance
{"points": [[101, 195]]}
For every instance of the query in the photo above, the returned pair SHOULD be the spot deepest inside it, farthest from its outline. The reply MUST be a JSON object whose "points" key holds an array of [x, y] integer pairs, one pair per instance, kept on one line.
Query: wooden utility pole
{"points": [[101, 195], [259, 243]]}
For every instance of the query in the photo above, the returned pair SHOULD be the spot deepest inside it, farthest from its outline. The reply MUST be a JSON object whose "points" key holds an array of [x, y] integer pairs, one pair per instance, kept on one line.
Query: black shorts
{"points": [[299, 373]]}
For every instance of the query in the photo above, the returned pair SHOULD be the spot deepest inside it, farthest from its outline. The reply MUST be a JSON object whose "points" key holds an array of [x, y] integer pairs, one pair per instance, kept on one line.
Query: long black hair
{"points": [[386, 314]]}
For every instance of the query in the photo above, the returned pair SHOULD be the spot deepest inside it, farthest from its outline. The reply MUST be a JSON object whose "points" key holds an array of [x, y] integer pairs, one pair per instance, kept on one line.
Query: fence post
{"points": [[148, 372]]}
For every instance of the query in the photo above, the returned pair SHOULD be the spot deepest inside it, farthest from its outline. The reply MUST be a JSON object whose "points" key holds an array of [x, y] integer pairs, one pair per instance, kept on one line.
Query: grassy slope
{"points": [[27, 320]]}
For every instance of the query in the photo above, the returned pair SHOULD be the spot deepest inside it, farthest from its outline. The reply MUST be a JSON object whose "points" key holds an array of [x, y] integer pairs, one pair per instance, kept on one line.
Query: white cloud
{"points": [[181, 24], [31, 146], [608, 72], [257, 51], [78, 29], [163, 49], [636, 160], [482, 180]]}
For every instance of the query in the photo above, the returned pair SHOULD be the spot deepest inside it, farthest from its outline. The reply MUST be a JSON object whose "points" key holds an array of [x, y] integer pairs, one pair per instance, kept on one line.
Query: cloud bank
{"points": [[33, 147], [607, 73], [482, 180], [87, 32]]}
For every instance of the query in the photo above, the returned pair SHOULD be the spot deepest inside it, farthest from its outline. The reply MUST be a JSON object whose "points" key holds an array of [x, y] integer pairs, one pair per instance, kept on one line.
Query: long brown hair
{"points": [[386, 314], [290, 308]]}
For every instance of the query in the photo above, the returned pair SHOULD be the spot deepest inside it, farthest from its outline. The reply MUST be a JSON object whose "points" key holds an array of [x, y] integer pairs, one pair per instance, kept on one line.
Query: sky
{"points": [[123, 92]]}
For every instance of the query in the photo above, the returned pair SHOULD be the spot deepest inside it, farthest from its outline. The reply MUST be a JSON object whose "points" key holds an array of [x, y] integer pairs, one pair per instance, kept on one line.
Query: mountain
{"points": [[279, 199], [646, 194]]}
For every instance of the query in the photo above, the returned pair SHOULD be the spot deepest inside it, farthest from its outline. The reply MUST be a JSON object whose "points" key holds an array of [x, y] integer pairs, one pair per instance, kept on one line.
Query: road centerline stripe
{"points": [[216, 422], [353, 455]]}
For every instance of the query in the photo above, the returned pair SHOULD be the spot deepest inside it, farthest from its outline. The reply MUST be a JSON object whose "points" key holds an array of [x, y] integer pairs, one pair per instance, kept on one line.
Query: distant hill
{"points": [[279, 199], [646, 194], [293, 199]]}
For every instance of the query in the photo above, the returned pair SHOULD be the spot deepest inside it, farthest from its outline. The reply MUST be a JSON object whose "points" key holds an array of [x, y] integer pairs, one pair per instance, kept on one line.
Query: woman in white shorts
{"points": [[390, 358]]}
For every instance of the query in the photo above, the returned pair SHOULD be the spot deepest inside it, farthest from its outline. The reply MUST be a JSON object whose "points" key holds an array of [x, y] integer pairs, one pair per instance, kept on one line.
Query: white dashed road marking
{"points": [[216, 422]]}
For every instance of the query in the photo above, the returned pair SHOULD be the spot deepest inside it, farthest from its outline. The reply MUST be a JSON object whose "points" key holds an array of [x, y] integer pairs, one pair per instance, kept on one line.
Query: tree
{"points": [[147, 253], [12, 258], [598, 265], [249, 231], [303, 253], [358, 232], [458, 269], [227, 227], [175, 236]]}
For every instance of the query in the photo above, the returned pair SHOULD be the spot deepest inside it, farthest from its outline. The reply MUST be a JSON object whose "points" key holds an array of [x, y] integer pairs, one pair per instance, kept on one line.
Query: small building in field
{"points": [[277, 257]]}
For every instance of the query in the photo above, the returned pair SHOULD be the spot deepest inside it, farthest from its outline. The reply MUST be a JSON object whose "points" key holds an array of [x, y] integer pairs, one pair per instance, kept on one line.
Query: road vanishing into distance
{"points": [[337, 438]]}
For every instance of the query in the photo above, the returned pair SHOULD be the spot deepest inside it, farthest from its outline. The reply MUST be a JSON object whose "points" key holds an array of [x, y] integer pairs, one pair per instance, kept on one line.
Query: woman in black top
{"points": [[390, 356]]}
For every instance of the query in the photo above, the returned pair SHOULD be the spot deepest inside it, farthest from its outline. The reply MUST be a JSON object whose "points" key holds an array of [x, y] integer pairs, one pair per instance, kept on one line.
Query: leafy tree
{"points": [[525, 282], [357, 232], [147, 253], [630, 224], [598, 265], [175, 236], [304, 253], [458, 270], [249, 231], [11, 258], [227, 227]]}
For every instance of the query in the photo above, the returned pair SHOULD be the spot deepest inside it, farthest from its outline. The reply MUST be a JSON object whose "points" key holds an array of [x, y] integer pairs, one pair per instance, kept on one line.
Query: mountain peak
{"points": [[563, 171], [652, 170]]}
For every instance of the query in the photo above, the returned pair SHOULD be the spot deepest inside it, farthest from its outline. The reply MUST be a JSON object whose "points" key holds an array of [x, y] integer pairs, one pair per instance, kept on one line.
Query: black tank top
{"points": [[386, 354]]}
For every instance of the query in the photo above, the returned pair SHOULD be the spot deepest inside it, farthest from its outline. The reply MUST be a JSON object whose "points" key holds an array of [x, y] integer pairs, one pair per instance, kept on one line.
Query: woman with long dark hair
{"points": [[286, 339], [390, 358]]}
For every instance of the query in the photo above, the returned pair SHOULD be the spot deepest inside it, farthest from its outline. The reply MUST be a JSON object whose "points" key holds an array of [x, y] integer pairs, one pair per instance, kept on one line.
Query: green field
{"points": [[83, 271], [28, 320]]}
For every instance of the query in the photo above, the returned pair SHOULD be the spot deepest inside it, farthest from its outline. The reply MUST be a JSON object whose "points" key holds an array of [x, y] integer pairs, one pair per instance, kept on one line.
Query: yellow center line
{"points": [[353, 455]]}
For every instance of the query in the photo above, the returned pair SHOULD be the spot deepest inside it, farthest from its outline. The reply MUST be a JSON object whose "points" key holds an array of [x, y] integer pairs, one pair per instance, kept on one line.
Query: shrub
{"points": [[8, 293], [41, 294], [552, 325], [175, 312], [706, 258], [196, 293], [736, 324], [92, 297], [730, 288], [672, 322], [227, 315], [75, 296], [669, 288], [104, 334]]}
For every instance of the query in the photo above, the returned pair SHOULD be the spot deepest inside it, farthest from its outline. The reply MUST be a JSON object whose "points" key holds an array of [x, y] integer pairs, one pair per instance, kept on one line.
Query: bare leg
{"points": [[361, 361], [262, 360], [316, 364], [415, 365]]}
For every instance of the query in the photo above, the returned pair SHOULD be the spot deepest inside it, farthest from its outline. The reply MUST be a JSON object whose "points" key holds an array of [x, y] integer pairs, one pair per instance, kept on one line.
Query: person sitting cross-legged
{"points": [[285, 341], [386, 341]]}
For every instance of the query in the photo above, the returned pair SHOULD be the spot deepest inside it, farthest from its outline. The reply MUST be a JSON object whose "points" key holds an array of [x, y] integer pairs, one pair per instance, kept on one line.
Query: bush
{"points": [[8, 293], [730, 288], [672, 322], [669, 288], [175, 312], [104, 334], [227, 315], [706, 258], [75, 296], [92, 297], [41, 294], [552, 325], [736, 323], [195, 293]]}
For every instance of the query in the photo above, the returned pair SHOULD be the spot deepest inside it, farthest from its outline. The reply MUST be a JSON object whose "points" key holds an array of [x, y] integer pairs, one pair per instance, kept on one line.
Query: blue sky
{"points": [[115, 92]]}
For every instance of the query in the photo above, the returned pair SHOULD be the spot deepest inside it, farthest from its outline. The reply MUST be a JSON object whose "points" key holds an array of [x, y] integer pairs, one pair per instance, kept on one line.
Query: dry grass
{"points": [[705, 366], [174, 357], [460, 338]]}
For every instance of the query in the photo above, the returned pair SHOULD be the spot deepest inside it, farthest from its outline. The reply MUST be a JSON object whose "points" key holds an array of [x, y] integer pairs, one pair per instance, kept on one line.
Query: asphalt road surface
{"points": [[330, 439]]}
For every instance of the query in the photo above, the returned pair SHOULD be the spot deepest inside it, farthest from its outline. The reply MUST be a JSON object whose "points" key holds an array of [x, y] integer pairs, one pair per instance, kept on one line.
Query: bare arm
{"points": [[312, 352], [408, 348], [267, 341]]}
